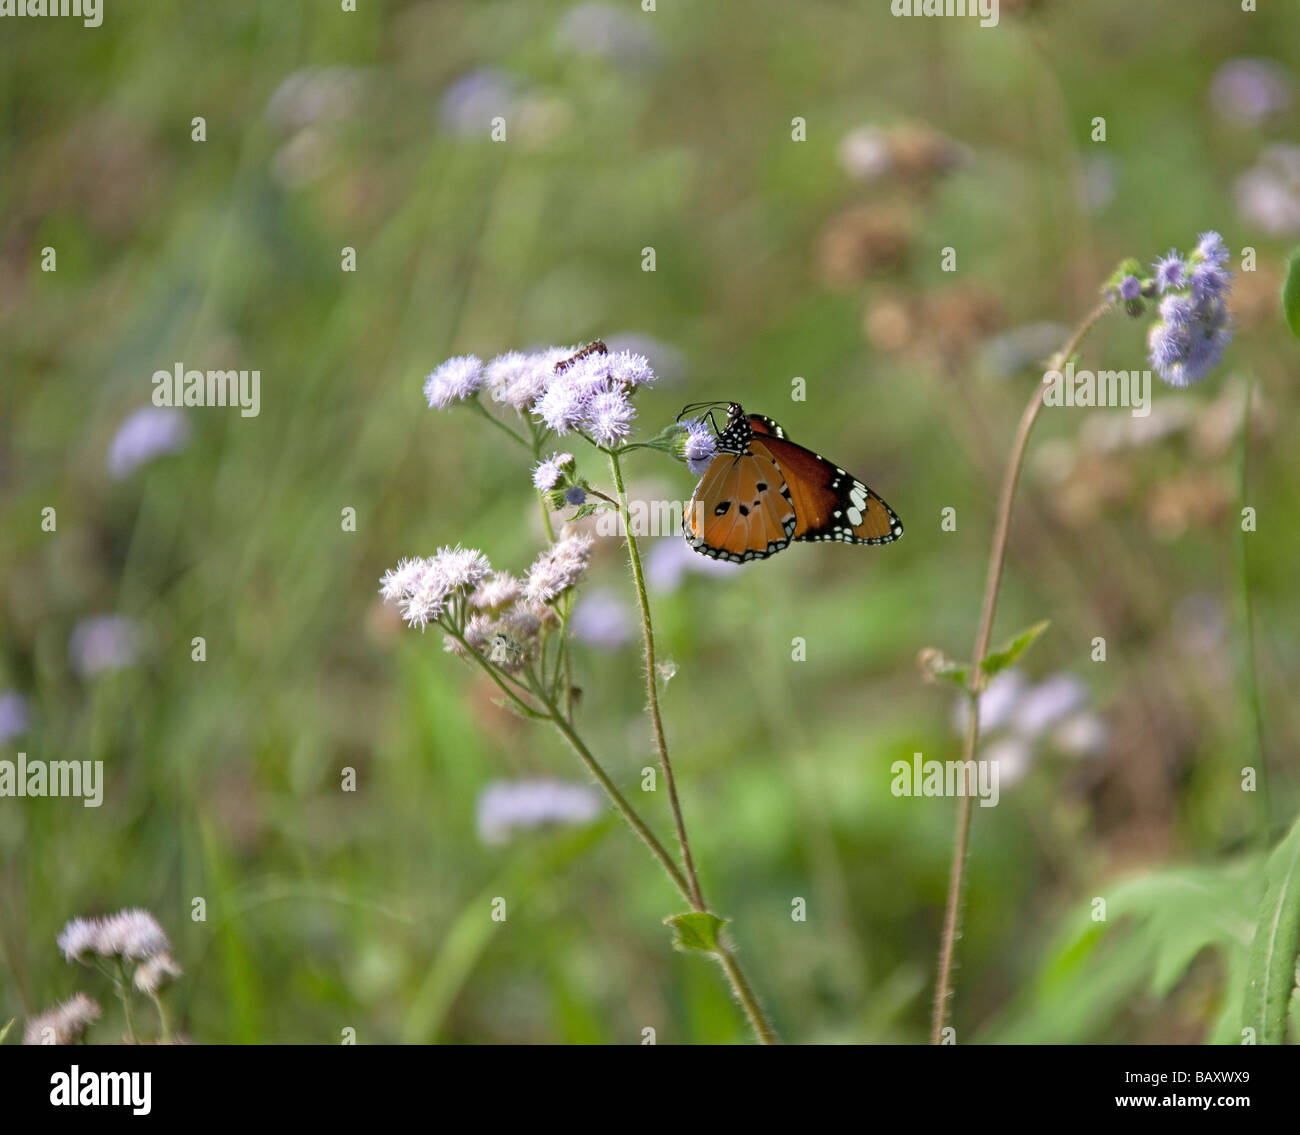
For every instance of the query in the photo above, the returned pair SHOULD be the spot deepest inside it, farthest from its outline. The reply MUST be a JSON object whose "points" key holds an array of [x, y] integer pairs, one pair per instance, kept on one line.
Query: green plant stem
{"points": [[993, 581], [122, 985], [164, 1025], [695, 896], [652, 686], [482, 411], [629, 813]]}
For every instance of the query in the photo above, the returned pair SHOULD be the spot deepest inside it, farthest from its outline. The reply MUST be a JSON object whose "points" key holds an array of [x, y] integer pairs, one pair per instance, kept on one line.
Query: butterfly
{"points": [[762, 491]]}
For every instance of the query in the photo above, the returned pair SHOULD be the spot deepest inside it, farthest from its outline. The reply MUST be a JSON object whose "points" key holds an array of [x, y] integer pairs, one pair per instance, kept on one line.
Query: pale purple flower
{"points": [[14, 715], [518, 379], [1248, 92], [1189, 339], [1209, 281], [79, 938], [499, 591], [608, 417], [700, 445], [1083, 734], [1178, 310], [400, 582], [155, 972], [1171, 271], [670, 559], [316, 94], [453, 381], [506, 808], [1047, 703], [461, 569], [152, 431], [1130, 288], [1098, 179], [630, 369], [549, 472], [1027, 345], [564, 405], [470, 103], [1212, 247], [997, 701], [1012, 755], [1268, 194], [66, 1023], [1184, 355], [132, 935], [103, 642], [607, 32], [420, 588], [667, 362], [601, 619], [558, 568]]}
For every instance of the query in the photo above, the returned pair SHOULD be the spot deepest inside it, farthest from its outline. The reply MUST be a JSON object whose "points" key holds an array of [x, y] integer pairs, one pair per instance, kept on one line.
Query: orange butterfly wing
{"points": [[742, 508], [830, 504]]}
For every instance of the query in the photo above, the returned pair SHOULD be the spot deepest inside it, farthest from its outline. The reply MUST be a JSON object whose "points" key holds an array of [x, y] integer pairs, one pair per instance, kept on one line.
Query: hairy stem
{"points": [[993, 581], [735, 975], [652, 685]]}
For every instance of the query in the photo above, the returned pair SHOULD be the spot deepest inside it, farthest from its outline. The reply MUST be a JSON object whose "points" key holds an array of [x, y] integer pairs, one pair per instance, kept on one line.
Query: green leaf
{"points": [[4, 1032], [667, 440], [1007, 656], [1291, 294], [697, 930], [1277, 941]]}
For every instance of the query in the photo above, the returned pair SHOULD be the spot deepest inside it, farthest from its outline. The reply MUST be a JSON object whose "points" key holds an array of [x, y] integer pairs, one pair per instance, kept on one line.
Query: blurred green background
{"points": [[775, 259]]}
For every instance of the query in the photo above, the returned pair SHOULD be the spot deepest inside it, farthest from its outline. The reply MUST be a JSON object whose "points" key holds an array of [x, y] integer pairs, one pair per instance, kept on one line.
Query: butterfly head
{"points": [[735, 431]]}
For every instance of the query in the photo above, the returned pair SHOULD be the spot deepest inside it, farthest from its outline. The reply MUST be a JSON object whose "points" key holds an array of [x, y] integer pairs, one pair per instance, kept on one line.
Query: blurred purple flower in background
{"points": [[1030, 344], [601, 619], [1268, 194], [1248, 92], [103, 642], [670, 559], [604, 31], [470, 103], [1017, 718], [508, 807], [149, 432], [316, 94], [15, 714]]}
